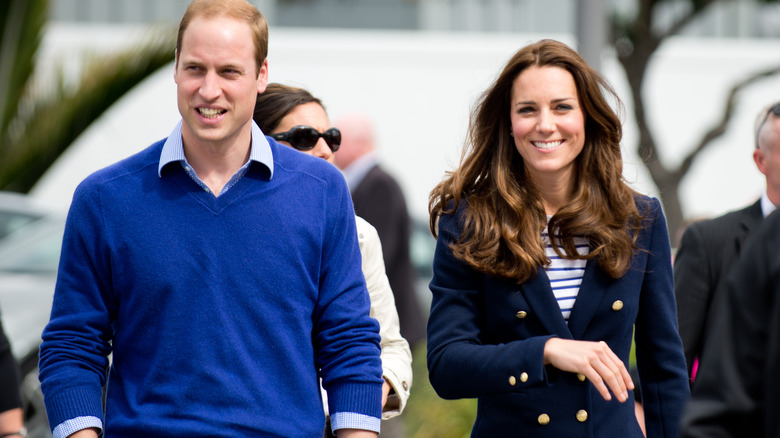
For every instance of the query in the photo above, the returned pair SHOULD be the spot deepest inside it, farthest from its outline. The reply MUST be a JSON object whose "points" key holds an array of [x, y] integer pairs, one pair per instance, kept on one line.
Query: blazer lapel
{"points": [[750, 220], [541, 300], [594, 286]]}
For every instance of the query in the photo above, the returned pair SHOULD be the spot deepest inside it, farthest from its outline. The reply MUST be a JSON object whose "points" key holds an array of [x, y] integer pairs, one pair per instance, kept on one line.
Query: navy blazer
{"points": [[486, 340]]}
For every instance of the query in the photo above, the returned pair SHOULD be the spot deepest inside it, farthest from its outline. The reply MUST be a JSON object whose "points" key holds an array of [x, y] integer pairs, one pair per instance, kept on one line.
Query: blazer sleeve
{"points": [[693, 290], [396, 355], [459, 364], [660, 361]]}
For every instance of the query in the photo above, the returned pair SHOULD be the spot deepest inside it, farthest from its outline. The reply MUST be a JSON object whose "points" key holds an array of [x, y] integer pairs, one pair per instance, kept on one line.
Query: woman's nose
{"points": [[545, 122], [322, 150]]}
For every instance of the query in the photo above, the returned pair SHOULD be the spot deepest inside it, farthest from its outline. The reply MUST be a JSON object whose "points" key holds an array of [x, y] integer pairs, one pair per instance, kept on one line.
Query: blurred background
{"points": [[84, 83]]}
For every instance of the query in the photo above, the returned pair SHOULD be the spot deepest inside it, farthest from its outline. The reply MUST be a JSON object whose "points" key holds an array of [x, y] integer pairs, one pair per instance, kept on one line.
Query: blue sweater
{"points": [[221, 312]]}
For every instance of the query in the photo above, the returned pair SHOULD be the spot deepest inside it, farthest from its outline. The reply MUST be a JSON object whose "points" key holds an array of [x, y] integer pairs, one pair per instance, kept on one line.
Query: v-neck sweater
{"points": [[221, 312]]}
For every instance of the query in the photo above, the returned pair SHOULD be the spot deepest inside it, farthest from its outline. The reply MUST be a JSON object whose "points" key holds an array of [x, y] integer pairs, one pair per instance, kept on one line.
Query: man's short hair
{"points": [[238, 9]]}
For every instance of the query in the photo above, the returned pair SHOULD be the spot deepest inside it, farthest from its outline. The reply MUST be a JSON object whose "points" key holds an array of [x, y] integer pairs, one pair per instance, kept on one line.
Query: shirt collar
{"points": [[173, 149], [766, 205], [357, 170]]}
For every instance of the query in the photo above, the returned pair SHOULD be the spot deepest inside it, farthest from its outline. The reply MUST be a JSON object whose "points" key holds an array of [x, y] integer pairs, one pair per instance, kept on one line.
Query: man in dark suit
{"points": [[378, 199], [737, 390], [710, 248]]}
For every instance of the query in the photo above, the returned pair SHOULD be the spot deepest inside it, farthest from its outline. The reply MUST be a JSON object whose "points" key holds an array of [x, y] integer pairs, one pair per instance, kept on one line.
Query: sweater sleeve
{"points": [[76, 341], [346, 338]]}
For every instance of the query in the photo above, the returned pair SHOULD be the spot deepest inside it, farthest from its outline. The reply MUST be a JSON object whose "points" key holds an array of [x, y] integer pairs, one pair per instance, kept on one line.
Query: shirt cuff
{"points": [[74, 425], [352, 420]]}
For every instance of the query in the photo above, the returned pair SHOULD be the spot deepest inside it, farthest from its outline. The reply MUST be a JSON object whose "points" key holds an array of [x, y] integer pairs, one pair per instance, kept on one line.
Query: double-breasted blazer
{"points": [[486, 339]]}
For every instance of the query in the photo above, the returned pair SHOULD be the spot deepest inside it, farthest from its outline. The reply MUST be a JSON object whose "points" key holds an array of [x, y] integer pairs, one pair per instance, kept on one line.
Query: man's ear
{"points": [[175, 66], [758, 157], [262, 77]]}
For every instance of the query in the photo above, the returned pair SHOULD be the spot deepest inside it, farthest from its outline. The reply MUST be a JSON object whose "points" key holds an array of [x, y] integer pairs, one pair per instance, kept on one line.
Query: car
{"points": [[16, 211], [29, 257]]}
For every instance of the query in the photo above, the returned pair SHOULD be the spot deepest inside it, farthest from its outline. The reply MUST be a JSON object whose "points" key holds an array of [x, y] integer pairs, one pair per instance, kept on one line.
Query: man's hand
{"points": [[85, 433]]}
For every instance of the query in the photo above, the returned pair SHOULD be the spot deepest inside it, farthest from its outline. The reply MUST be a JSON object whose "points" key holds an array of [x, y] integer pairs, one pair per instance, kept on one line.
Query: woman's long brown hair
{"points": [[504, 216]]}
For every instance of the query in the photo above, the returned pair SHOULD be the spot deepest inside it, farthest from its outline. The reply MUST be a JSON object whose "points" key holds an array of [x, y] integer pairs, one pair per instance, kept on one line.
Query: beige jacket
{"points": [[396, 355]]}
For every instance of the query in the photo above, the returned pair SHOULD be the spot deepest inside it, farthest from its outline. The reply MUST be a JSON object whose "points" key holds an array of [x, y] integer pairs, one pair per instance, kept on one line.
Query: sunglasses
{"points": [[775, 109], [304, 137]]}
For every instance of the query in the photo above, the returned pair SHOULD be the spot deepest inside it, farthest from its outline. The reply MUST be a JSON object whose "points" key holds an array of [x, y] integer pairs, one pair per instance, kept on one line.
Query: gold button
{"points": [[617, 305], [405, 385], [521, 314], [581, 377], [512, 380], [524, 377], [544, 419], [582, 415]]}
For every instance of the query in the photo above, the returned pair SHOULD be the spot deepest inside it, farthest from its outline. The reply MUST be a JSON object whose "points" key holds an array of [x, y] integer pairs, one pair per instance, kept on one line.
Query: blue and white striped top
{"points": [[565, 274]]}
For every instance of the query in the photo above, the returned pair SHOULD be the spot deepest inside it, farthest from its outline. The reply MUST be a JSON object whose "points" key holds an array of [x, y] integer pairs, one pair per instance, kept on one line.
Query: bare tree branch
{"points": [[719, 128], [686, 19]]}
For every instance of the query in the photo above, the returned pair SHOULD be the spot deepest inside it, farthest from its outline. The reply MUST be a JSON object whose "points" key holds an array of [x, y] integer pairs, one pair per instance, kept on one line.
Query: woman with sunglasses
{"points": [[547, 263], [294, 117]]}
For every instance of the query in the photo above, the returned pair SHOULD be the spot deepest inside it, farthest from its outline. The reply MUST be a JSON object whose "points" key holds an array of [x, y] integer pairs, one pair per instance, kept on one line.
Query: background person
{"points": [[545, 263], [11, 413], [709, 248], [296, 118], [737, 390], [378, 198], [197, 263]]}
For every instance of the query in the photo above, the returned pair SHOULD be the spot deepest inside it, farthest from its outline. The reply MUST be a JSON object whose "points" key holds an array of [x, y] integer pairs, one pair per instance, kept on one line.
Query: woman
{"points": [[296, 118], [546, 261]]}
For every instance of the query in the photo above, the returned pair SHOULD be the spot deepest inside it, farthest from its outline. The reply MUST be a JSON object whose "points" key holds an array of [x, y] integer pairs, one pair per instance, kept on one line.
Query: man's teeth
{"points": [[547, 145], [209, 112]]}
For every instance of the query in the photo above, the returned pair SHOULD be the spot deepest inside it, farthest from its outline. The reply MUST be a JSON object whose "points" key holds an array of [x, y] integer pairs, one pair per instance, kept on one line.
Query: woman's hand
{"points": [[385, 392], [595, 360]]}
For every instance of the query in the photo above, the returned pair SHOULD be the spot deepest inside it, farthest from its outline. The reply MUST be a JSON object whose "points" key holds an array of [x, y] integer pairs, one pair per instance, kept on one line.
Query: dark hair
{"points": [[237, 9], [276, 102], [502, 224]]}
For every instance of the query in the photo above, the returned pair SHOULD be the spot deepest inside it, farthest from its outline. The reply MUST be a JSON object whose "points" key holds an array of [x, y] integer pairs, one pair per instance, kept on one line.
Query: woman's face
{"points": [[547, 123], [309, 114]]}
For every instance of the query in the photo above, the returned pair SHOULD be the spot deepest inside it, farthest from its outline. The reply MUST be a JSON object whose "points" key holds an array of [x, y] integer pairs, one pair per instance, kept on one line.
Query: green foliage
{"points": [[429, 416], [39, 121]]}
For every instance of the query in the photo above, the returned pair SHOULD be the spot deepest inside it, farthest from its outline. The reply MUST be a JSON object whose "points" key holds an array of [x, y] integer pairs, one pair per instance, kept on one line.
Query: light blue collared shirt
{"points": [[766, 205], [357, 170], [259, 151]]}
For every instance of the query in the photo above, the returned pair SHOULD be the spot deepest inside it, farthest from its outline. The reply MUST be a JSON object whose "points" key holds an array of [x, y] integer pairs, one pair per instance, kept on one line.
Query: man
{"points": [[11, 415], [708, 249], [737, 390], [223, 290], [378, 199]]}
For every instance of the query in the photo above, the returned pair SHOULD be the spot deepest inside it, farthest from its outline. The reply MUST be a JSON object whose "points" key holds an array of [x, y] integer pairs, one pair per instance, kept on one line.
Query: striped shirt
{"points": [[565, 274]]}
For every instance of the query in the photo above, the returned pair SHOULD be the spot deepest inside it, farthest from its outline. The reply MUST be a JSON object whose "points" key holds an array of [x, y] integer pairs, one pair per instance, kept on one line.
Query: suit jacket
{"points": [[737, 390], [707, 252], [379, 200], [486, 339]]}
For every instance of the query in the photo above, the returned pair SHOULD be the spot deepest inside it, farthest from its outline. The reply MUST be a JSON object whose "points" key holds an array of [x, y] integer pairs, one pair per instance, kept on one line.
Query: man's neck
{"points": [[216, 162]]}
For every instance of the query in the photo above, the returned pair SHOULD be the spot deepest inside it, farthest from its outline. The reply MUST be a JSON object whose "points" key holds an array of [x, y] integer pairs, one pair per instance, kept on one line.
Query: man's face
{"points": [[217, 81]]}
